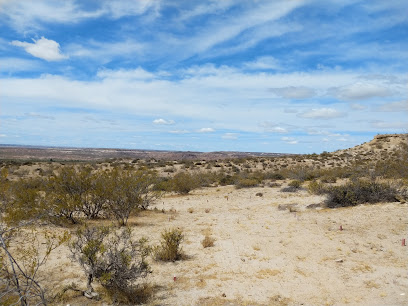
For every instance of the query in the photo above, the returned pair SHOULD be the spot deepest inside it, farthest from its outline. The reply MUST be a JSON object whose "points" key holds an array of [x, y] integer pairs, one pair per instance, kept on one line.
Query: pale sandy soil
{"points": [[264, 255]]}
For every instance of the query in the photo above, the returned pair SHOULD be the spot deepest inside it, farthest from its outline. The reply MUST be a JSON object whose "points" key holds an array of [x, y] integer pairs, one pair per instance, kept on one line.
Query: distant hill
{"points": [[378, 148], [13, 152]]}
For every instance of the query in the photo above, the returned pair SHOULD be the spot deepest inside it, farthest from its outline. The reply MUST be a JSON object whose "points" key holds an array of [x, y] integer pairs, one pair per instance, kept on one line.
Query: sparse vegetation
{"points": [[169, 248], [72, 193], [360, 191], [208, 241], [111, 257]]}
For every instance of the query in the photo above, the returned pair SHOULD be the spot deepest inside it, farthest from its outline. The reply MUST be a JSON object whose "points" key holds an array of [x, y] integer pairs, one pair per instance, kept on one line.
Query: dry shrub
{"points": [[208, 241], [169, 248], [293, 186], [136, 295], [246, 183], [315, 187], [358, 192]]}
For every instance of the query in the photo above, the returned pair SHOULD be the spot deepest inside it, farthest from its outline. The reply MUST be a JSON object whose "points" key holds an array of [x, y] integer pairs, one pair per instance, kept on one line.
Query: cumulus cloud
{"points": [[206, 130], [399, 106], [46, 49], [163, 121], [293, 92], [322, 113], [359, 91]]}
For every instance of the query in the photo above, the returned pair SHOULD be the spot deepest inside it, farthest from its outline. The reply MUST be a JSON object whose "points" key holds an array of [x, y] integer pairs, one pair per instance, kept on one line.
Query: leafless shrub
{"points": [[111, 257]]}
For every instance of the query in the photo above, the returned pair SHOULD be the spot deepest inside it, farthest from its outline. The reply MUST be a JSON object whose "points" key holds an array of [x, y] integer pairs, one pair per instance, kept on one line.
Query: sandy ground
{"points": [[265, 254]]}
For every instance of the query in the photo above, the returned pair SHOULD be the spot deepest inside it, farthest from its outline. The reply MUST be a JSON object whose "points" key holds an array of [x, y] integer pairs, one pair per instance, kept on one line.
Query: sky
{"points": [[286, 76]]}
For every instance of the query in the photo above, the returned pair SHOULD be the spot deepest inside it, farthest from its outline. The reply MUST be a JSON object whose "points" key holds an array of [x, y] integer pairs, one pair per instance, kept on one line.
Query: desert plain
{"points": [[270, 247]]}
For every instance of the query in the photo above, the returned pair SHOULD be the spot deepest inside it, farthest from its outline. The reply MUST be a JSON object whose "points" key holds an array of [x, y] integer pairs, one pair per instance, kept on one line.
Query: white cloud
{"points": [[230, 136], [134, 74], [13, 64], [263, 63], [399, 106], [46, 49], [290, 110], [360, 91], [179, 132], [289, 140], [357, 106], [379, 124], [256, 18], [105, 51], [31, 15], [206, 130], [119, 8], [227, 100], [163, 121], [342, 139], [322, 113], [207, 7], [274, 128], [293, 92], [39, 116]]}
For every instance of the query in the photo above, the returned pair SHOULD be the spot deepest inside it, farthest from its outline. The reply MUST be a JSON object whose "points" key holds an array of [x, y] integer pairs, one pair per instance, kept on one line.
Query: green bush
{"points": [[169, 248], [183, 183], [358, 192]]}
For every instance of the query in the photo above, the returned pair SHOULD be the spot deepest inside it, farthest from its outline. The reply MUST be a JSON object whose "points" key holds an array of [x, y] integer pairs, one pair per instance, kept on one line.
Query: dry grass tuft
{"points": [[266, 273], [208, 241]]}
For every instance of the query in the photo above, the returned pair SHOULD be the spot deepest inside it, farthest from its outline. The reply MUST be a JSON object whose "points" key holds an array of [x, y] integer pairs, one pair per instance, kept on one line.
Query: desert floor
{"points": [[269, 250]]}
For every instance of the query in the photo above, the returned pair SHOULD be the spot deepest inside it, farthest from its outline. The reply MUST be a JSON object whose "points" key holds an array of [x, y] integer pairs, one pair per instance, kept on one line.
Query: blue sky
{"points": [[269, 76]]}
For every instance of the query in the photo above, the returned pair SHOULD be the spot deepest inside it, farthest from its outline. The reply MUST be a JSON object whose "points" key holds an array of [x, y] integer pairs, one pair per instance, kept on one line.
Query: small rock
{"points": [[339, 260], [91, 294], [224, 295]]}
